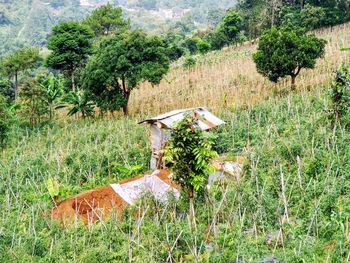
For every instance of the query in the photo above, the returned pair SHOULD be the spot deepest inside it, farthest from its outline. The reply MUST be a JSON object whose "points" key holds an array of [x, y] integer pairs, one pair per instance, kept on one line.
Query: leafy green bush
{"points": [[189, 62], [203, 46], [339, 93], [7, 90]]}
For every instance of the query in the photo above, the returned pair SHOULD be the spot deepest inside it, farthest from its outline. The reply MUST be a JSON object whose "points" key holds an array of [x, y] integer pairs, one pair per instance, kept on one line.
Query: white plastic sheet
{"points": [[133, 190]]}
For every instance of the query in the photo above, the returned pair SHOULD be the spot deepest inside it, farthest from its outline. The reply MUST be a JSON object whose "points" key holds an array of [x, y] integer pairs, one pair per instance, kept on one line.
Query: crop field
{"points": [[292, 202], [228, 79]]}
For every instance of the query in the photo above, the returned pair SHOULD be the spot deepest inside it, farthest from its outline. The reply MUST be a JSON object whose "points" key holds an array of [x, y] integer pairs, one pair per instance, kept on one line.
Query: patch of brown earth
{"points": [[89, 206], [97, 204]]}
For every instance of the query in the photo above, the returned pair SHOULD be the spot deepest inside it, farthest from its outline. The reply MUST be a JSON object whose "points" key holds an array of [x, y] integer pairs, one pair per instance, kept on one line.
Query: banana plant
{"points": [[53, 87], [78, 101]]}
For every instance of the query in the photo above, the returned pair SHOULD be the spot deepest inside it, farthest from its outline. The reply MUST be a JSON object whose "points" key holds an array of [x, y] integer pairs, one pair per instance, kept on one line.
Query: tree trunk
{"points": [[127, 97], [73, 81], [273, 13], [191, 208], [293, 77], [50, 112], [126, 110]]}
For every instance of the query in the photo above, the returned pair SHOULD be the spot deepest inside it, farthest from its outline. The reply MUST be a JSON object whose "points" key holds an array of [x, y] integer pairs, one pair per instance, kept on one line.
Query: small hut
{"points": [[161, 128]]}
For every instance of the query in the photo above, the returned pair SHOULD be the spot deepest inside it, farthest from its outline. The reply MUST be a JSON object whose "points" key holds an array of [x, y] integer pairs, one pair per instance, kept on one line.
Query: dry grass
{"points": [[228, 78]]}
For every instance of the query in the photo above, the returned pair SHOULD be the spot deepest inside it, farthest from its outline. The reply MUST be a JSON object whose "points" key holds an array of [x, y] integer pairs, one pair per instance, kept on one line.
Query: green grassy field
{"points": [[292, 202], [281, 136]]}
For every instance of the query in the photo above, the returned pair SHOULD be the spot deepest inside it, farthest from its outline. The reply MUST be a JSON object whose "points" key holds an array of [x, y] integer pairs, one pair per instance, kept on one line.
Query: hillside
{"points": [[228, 78], [297, 165], [28, 23]]}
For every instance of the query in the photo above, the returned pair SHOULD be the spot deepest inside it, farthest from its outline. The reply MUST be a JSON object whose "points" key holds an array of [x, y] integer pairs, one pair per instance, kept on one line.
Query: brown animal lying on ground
{"points": [[99, 203]]}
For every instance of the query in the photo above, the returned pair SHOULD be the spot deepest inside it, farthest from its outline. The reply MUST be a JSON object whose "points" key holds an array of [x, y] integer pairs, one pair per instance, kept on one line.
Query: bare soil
{"points": [[97, 204]]}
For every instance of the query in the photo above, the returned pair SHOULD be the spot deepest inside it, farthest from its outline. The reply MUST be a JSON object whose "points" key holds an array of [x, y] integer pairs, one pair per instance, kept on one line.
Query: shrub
{"points": [[339, 93], [203, 46], [190, 62]]}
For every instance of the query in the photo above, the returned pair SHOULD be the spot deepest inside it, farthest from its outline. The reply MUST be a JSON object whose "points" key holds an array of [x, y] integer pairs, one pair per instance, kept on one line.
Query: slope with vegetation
{"points": [[228, 78], [291, 203]]}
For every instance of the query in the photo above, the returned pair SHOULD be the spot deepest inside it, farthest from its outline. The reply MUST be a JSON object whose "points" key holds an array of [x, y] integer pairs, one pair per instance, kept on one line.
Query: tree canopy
{"points": [[19, 61], [71, 45], [285, 51], [121, 62], [230, 25], [106, 19]]}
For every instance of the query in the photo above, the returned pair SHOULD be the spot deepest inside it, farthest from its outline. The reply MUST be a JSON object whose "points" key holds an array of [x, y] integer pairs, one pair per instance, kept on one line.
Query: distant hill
{"points": [[28, 22]]}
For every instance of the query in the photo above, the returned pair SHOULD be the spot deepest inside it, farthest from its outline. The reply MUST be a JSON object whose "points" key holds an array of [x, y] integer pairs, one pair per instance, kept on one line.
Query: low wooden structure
{"points": [[161, 126]]}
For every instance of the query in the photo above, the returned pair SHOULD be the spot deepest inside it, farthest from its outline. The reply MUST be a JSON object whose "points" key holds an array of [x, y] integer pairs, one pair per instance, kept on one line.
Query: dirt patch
{"points": [[97, 204], [89, 206]]}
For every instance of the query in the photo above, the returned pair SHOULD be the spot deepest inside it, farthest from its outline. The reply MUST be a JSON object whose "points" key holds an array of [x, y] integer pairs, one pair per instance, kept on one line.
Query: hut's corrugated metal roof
{"points": [[206, 119]]}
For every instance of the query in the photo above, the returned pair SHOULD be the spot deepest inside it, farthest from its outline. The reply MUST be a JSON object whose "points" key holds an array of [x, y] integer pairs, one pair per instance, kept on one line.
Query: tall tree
{"points": [[285, 51], [70, 44], [274, 8], [20, 61], [120, 64], [254, 16], [32, 101], [106, 19]]}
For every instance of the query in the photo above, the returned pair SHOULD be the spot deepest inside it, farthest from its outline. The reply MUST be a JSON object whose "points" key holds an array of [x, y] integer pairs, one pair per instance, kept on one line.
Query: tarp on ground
{"points": [[98, 203]]}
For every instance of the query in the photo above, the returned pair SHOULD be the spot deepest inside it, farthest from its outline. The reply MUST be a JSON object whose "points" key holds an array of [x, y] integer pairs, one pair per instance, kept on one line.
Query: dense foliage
{"points": [[106, 19], [120, 64], [28, 23], [285, 51], [19, 62], [259, 15], [5, 121], [190, 151], [71, 44], [340, 93]]}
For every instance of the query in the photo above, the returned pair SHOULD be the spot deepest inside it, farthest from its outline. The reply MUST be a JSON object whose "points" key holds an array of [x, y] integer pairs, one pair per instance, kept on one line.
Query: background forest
{"points": [[28, 22]]}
